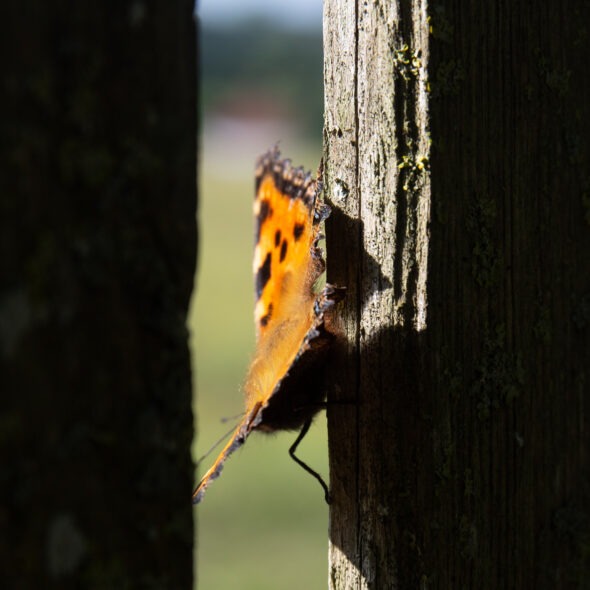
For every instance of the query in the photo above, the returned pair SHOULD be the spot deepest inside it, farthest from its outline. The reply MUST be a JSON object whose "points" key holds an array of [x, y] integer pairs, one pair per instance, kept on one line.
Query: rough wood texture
{"points": [[462, 461], [98, 254]]}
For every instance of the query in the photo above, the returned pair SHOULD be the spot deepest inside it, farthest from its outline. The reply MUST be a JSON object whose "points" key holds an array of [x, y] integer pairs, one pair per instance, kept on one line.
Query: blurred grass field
{"points": [[263, 524]]}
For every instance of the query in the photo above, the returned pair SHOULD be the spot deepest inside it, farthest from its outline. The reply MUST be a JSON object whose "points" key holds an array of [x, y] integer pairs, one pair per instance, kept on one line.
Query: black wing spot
{"points": [[277, 237], [298, 230], [264, 213], [283, 251], [266, 318], [263, 275]]}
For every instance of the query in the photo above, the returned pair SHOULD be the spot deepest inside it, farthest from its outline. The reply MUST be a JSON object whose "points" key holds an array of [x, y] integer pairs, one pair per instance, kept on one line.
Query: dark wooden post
{"points": [[456, 144], [98, 254]]}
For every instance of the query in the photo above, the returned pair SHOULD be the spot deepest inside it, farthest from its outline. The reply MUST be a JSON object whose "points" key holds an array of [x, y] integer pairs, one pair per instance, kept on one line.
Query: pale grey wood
{"points": [[341, 139], [459, 456], [376, 141]]}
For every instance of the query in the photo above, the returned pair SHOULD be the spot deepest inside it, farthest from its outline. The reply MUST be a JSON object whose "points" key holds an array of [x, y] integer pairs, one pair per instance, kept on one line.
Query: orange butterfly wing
{"points": [[280, 390]]}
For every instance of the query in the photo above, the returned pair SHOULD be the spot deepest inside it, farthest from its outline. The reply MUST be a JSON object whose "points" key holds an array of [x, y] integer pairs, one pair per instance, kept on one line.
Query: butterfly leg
{"points": [[307, 468]]}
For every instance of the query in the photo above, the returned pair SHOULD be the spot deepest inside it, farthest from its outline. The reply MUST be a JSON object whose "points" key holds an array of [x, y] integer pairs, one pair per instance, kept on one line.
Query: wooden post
{"points": [[99, 243], [456, 162]]}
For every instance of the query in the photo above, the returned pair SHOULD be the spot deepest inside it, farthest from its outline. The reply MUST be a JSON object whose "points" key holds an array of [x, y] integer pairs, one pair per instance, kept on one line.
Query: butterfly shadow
{"points": [[380, 407]]}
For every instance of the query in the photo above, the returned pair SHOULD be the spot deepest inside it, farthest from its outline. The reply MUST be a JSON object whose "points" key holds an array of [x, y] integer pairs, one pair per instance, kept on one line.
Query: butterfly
{"points": [[284, 387]]}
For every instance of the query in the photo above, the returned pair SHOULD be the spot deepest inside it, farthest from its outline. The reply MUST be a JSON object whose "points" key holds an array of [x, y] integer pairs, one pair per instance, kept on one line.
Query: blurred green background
{"points": [[263, 524]]}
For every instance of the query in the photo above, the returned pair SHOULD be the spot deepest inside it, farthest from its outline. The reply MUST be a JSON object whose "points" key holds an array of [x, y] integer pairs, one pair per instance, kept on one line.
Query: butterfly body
{"points": [[301, 392], [284, 386]]}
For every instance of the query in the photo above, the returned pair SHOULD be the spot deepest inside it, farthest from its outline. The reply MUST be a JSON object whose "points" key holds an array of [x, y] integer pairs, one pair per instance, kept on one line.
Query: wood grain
{"points": [[456, 148]]}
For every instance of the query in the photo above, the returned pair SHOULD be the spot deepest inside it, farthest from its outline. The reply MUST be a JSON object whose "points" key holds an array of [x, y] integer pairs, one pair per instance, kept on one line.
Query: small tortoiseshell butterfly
{"points": [[284, 387]]}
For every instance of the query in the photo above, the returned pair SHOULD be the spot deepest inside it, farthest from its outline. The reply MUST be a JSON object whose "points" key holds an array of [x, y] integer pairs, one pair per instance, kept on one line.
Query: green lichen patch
{"points": [[412, 167], [499, 376], [484, 253], [407, 61], [467, 537], [452, 378], [468, 485], [556, 77], [542, 326], [448, 78], [439, 25]]}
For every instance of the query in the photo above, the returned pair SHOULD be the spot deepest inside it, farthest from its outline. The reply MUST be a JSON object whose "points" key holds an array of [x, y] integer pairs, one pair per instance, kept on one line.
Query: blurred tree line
{"points": [[282, 66]]}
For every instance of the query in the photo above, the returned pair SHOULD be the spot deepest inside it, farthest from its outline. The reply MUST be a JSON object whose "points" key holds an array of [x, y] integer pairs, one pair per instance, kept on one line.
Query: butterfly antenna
{"points": [[225, 419], [307, 468], [217, 443]]}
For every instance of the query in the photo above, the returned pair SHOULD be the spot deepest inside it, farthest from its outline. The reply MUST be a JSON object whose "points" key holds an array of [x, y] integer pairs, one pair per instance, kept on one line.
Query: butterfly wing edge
{"points": [[237, 439]]}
